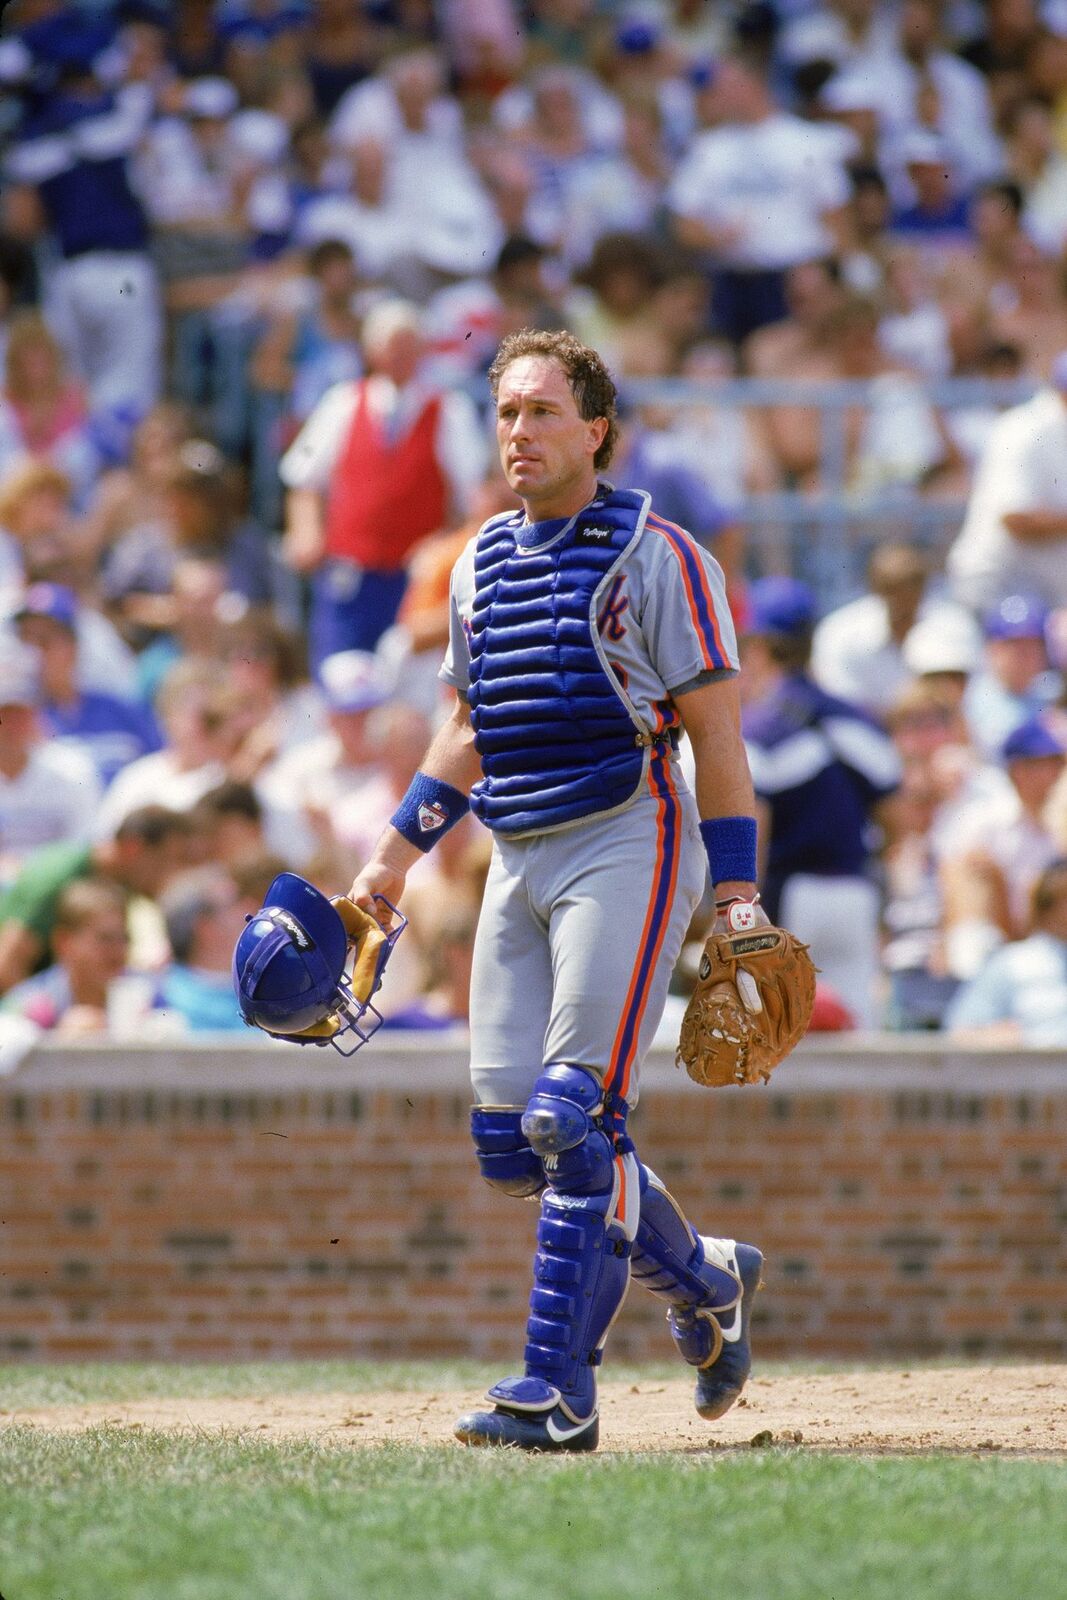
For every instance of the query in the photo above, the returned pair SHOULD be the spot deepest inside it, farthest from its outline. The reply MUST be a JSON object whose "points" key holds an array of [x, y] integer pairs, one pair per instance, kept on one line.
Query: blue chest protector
{"points": [[558, 738]]}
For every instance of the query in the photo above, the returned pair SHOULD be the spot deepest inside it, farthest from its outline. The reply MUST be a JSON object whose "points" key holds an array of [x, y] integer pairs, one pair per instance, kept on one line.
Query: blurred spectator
{"points": [[653, 460], [48, 791], [196, 711], [343, 49], [466, 321], [148, 848], [1028, 309], [73, 147], [400, 735], [202, 519], [268, 675], [378, 465], [306, 353], [42, 413], [185, 624], [362, 213], [611, 308], [858, 651], [1014, 537], [813, 295], [926, 727], [202, 921], [937, 217], [760, 192], [820, 769], [301, 789], [91, 944], [943, 652], [1017, 680], [36, 528], [228, 823], [998, 848], [412, 650], [1019, 996], [133, 495], [111, 731]]}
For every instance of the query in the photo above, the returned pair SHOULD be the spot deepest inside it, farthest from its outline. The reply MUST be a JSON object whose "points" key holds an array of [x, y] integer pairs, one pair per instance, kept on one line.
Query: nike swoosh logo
{"points": [[558, 1434]]}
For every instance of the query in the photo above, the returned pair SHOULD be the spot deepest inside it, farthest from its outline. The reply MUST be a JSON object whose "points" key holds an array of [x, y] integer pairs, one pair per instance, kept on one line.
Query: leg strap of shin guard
{"points": [[505, 1158], [584, 1238], [669, 1258]]}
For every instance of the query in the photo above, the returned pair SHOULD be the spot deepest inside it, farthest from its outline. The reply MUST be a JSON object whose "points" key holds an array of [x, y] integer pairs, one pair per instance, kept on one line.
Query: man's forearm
{"points": [[452, 758], [1036, 527]]}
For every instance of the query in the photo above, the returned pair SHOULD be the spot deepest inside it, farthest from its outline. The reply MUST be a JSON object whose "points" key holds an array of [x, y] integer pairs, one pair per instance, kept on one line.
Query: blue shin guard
{"points": [[581, 1271], [708, 1284]]}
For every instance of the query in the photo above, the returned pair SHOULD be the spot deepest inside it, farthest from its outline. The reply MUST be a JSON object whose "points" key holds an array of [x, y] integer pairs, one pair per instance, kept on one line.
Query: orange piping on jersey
{"points": [[660, 900], [675, 537]]}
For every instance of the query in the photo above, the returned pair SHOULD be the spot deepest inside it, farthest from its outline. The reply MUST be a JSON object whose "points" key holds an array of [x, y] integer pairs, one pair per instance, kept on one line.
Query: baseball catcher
{"points": [[752, 1002], [305, 967]]}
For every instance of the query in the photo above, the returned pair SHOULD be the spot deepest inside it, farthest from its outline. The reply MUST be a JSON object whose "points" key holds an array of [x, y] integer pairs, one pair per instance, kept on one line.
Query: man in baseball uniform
{"points": [[586, 634]]}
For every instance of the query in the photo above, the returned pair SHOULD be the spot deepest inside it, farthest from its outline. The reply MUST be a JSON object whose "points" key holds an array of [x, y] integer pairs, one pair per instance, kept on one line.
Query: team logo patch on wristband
{"points": [[741, 916], [431, 816]]}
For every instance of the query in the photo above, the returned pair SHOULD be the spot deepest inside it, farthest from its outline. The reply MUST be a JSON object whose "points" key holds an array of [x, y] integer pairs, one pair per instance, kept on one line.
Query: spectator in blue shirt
{"points": [[1020, 995], [113, 732], [820, 769], [203, 917], [73, 148]]}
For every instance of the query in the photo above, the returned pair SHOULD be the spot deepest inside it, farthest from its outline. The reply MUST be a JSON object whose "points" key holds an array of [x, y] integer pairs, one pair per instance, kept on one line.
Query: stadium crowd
{"points": [[255, 258]]}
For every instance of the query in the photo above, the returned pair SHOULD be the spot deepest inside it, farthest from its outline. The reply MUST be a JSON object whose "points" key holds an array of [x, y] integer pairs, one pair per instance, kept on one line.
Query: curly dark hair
{"points": [[591, 383]]}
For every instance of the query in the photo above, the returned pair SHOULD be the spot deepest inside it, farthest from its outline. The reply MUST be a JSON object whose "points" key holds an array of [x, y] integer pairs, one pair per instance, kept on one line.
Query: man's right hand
{"points": [[378, 878]]}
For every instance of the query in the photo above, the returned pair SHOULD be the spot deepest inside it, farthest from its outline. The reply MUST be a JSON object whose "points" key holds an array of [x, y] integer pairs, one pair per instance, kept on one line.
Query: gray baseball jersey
{"points": [[580, 929]]}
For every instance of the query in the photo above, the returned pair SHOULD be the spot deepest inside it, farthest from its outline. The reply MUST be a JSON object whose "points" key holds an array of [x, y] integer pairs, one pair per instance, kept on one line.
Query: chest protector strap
{"points": [[558, 737]]}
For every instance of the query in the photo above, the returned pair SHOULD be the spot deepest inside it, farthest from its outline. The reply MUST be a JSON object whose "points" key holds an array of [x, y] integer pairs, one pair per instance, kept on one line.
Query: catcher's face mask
{"points": [[289, 970]]}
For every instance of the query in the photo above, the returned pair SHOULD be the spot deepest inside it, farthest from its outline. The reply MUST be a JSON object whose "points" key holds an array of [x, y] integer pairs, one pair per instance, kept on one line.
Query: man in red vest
{"points": [[379, 464]]}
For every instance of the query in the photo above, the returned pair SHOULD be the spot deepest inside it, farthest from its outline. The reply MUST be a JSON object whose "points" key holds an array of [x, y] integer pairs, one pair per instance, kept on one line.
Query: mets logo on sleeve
{"points": [[432, 816]]}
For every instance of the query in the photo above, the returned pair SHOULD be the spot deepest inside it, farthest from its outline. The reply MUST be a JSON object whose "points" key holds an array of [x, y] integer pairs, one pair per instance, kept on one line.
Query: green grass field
{"points": [[131, 1514]]}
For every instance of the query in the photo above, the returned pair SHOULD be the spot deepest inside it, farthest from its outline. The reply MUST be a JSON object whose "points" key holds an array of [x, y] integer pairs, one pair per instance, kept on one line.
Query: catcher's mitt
{"points": [[752, 1003]]}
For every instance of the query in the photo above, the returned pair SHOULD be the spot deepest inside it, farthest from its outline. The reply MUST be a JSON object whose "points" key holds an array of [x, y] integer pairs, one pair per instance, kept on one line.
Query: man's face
{"points": [[58, 650], [546, 447], [1015, 663], [97, 950], [1034, 778]]}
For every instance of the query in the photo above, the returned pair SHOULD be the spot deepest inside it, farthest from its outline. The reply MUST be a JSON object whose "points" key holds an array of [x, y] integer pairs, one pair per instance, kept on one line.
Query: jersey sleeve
{"points": [[685, 616], [456, 668]]}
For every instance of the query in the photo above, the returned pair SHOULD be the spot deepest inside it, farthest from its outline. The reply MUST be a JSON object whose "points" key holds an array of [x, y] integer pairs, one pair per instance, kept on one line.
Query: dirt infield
{"points": [[1020, 1410]]}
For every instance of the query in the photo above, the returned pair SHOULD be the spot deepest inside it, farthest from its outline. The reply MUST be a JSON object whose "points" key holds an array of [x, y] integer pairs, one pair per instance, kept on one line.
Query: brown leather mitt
{"points": [[752, 1003]]}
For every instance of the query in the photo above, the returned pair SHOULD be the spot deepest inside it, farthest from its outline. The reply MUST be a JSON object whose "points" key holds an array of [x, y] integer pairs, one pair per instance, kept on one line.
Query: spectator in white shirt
{"points": [[998, 848], [758, 193], [1020, 995], [1014, 537], [49, 790], [197, 713], [858, 651]]}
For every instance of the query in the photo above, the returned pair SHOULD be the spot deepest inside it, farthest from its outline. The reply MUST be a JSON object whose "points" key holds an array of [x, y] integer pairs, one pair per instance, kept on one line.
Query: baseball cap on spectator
{"points": [[20, 682], [352, 680], [211, 98], [637, 36], [780, 605], [1033, 740], [850, 91], [938, 644], [52, 600], [922, 149], [1017, 616]]}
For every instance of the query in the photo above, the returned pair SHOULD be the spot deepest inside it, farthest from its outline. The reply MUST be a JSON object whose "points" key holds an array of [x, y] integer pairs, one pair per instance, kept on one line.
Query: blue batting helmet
{"points": [[289, 968]]}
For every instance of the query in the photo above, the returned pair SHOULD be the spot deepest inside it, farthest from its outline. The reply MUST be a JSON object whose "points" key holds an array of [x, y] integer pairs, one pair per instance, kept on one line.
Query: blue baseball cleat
{"points": [[529, 1414], [723, 1371]]}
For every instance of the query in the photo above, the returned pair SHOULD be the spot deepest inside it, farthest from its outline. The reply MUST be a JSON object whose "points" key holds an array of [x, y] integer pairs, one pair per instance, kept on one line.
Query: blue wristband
{"points": [[428, 810], [731, 846]]}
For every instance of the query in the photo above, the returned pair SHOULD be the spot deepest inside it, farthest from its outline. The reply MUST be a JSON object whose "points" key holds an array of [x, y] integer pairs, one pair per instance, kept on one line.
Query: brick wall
{"points": [[253, 1202]]}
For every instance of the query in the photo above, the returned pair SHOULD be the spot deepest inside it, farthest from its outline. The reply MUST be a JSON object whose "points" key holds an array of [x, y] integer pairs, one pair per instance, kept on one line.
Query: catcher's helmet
{"points": [[289, 968]]}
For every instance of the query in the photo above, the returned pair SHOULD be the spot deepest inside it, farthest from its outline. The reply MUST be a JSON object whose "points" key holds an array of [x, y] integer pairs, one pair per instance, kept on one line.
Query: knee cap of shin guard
{"points": [[557, 1115], [505, 1158]]}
